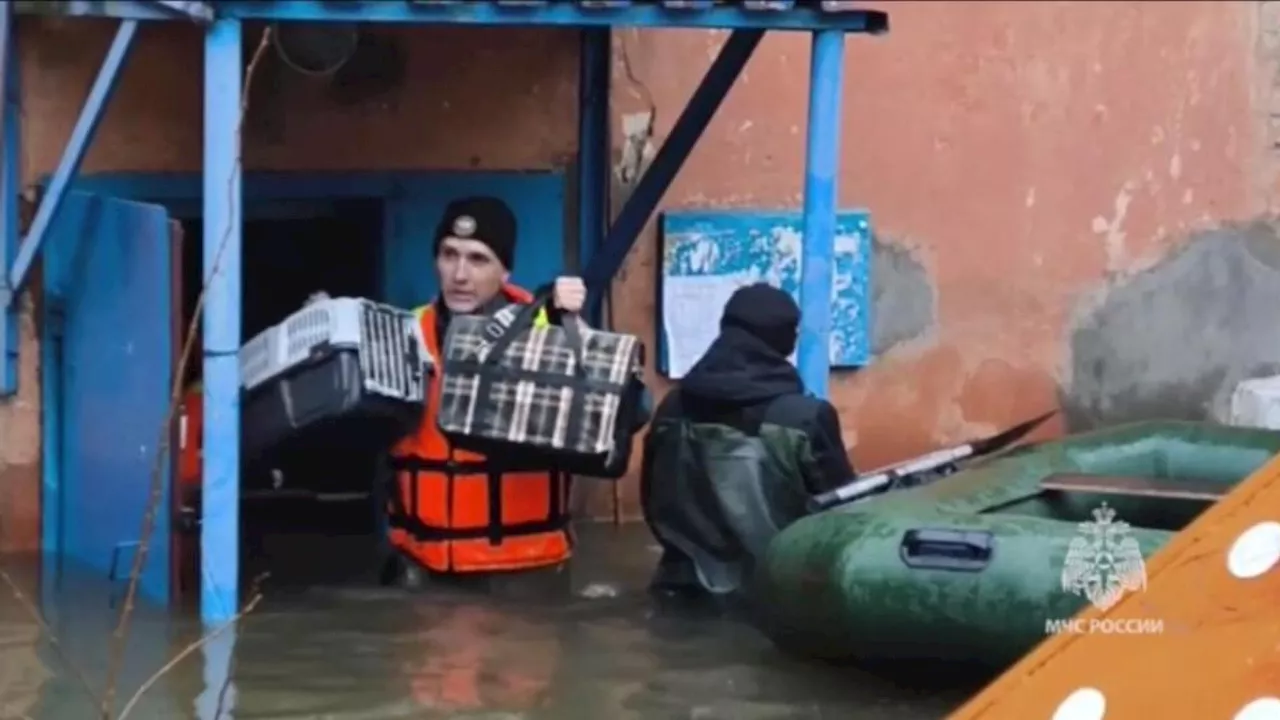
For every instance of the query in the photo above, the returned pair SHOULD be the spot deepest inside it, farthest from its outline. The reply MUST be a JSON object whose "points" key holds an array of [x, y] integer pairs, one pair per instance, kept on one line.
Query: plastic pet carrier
{"points": [[344, 375]]}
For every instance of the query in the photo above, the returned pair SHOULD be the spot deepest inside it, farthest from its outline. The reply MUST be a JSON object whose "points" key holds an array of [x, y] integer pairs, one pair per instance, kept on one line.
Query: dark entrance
{"points": [[306, 517]]}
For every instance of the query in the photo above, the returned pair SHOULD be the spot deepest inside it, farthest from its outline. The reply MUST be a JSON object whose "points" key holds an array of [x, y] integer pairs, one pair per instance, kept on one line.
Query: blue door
{"points": [[109, 288]]}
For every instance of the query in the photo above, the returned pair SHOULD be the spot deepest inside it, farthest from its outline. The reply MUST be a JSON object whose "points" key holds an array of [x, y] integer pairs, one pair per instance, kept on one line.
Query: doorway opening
{"points": [[306, 516]]}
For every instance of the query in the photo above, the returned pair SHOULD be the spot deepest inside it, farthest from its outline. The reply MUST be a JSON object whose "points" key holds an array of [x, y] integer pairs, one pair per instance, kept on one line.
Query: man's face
{"points": [[470, 274]]}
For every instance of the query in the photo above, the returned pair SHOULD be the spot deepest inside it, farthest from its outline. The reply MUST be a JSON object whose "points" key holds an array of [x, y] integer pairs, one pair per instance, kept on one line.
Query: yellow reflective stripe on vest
{"points": [[421, 310]]}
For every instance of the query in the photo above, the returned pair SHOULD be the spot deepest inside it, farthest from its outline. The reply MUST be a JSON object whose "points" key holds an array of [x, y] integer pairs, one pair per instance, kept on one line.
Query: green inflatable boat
{"points": [[979, 565]]}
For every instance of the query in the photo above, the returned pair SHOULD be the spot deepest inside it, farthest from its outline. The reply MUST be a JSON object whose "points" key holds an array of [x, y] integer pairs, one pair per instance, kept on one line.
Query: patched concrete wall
{"points": [[904, 301], [1046, 182], [1174, 340]]}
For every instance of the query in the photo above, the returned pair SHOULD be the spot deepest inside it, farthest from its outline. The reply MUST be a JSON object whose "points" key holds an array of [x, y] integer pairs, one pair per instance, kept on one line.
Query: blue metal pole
{"points": [[822, 163], [81, 137], [10, 156], [594, 72], [220, 526]]}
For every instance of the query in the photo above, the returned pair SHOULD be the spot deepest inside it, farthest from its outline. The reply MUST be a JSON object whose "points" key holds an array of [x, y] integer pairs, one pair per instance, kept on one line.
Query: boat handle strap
{"points": [[946, 549]]}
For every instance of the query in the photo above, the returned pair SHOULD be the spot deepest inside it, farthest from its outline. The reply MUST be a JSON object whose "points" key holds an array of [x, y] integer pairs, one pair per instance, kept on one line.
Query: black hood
{"points": [[748, 363]]}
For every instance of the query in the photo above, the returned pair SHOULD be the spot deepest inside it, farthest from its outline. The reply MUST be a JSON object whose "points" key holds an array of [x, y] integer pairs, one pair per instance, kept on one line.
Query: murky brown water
{"points": [[583, 644]]}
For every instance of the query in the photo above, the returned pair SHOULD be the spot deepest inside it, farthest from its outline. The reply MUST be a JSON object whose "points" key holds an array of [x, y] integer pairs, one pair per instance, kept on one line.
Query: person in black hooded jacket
{"points": [[736, 450]]}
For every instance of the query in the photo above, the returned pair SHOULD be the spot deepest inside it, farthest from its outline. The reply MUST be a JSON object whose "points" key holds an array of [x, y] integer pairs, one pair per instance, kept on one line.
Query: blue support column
{"points": [[594, 71], [220, 526], [706, 100], [73, 155], [822, 164], [10, 177]]}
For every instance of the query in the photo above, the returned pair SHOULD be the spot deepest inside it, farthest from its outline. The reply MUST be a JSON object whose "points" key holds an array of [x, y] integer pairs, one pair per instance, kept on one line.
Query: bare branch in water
{"points": [[182, 655]]}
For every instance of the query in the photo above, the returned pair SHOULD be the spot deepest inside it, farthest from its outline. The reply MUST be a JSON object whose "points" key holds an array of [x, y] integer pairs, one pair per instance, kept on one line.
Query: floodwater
{"points": [[584, 643]]}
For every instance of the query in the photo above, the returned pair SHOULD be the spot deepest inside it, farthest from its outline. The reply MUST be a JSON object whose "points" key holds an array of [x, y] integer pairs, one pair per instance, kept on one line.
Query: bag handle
{"points": [[502, 332], [572, 325]]}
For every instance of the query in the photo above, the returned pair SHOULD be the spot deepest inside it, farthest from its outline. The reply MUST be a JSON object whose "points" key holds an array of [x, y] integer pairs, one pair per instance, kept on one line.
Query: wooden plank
{"points": [[1137, 486]]}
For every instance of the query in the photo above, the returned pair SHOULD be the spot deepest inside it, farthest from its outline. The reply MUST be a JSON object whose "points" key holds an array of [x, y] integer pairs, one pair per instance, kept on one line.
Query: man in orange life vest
{"points": [[451, 511]]}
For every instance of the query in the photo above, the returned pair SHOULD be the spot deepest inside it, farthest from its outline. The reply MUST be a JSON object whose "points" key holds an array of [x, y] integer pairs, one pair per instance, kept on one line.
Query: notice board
{"points": [[707, 255]]}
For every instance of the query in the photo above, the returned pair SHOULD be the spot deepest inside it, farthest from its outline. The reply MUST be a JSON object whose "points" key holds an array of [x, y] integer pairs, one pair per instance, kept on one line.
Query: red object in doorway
{"points": [[190, 437]]}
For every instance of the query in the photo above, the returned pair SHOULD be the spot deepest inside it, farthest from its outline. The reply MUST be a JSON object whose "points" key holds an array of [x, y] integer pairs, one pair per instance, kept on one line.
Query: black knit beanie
{"points": [[485, 219], [766, 312]]}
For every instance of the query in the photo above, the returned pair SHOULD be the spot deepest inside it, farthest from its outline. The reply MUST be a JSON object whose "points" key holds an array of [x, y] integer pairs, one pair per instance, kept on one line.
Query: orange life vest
{"points": [[454, 511]]}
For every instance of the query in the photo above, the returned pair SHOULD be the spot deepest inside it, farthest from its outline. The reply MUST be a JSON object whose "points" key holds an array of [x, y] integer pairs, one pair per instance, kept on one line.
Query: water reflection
{"points": [[582, 644], [22, 674]]}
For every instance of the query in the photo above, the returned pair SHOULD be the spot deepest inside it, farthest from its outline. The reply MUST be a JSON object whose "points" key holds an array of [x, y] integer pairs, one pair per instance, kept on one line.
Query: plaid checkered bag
{"points": [[562, 395]]}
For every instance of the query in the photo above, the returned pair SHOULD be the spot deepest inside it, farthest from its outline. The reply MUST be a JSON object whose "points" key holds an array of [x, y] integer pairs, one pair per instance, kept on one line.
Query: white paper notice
{"points": [[691, 310]]}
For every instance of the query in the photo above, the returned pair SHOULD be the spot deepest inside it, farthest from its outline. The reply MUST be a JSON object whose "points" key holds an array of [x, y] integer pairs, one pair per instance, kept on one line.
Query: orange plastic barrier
{"points": [[1202, 642]]}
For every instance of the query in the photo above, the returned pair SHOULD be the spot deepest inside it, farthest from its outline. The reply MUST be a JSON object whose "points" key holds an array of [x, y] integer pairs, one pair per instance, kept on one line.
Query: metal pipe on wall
{"points": [[10, 154], [594, 71], [822, 164]]}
